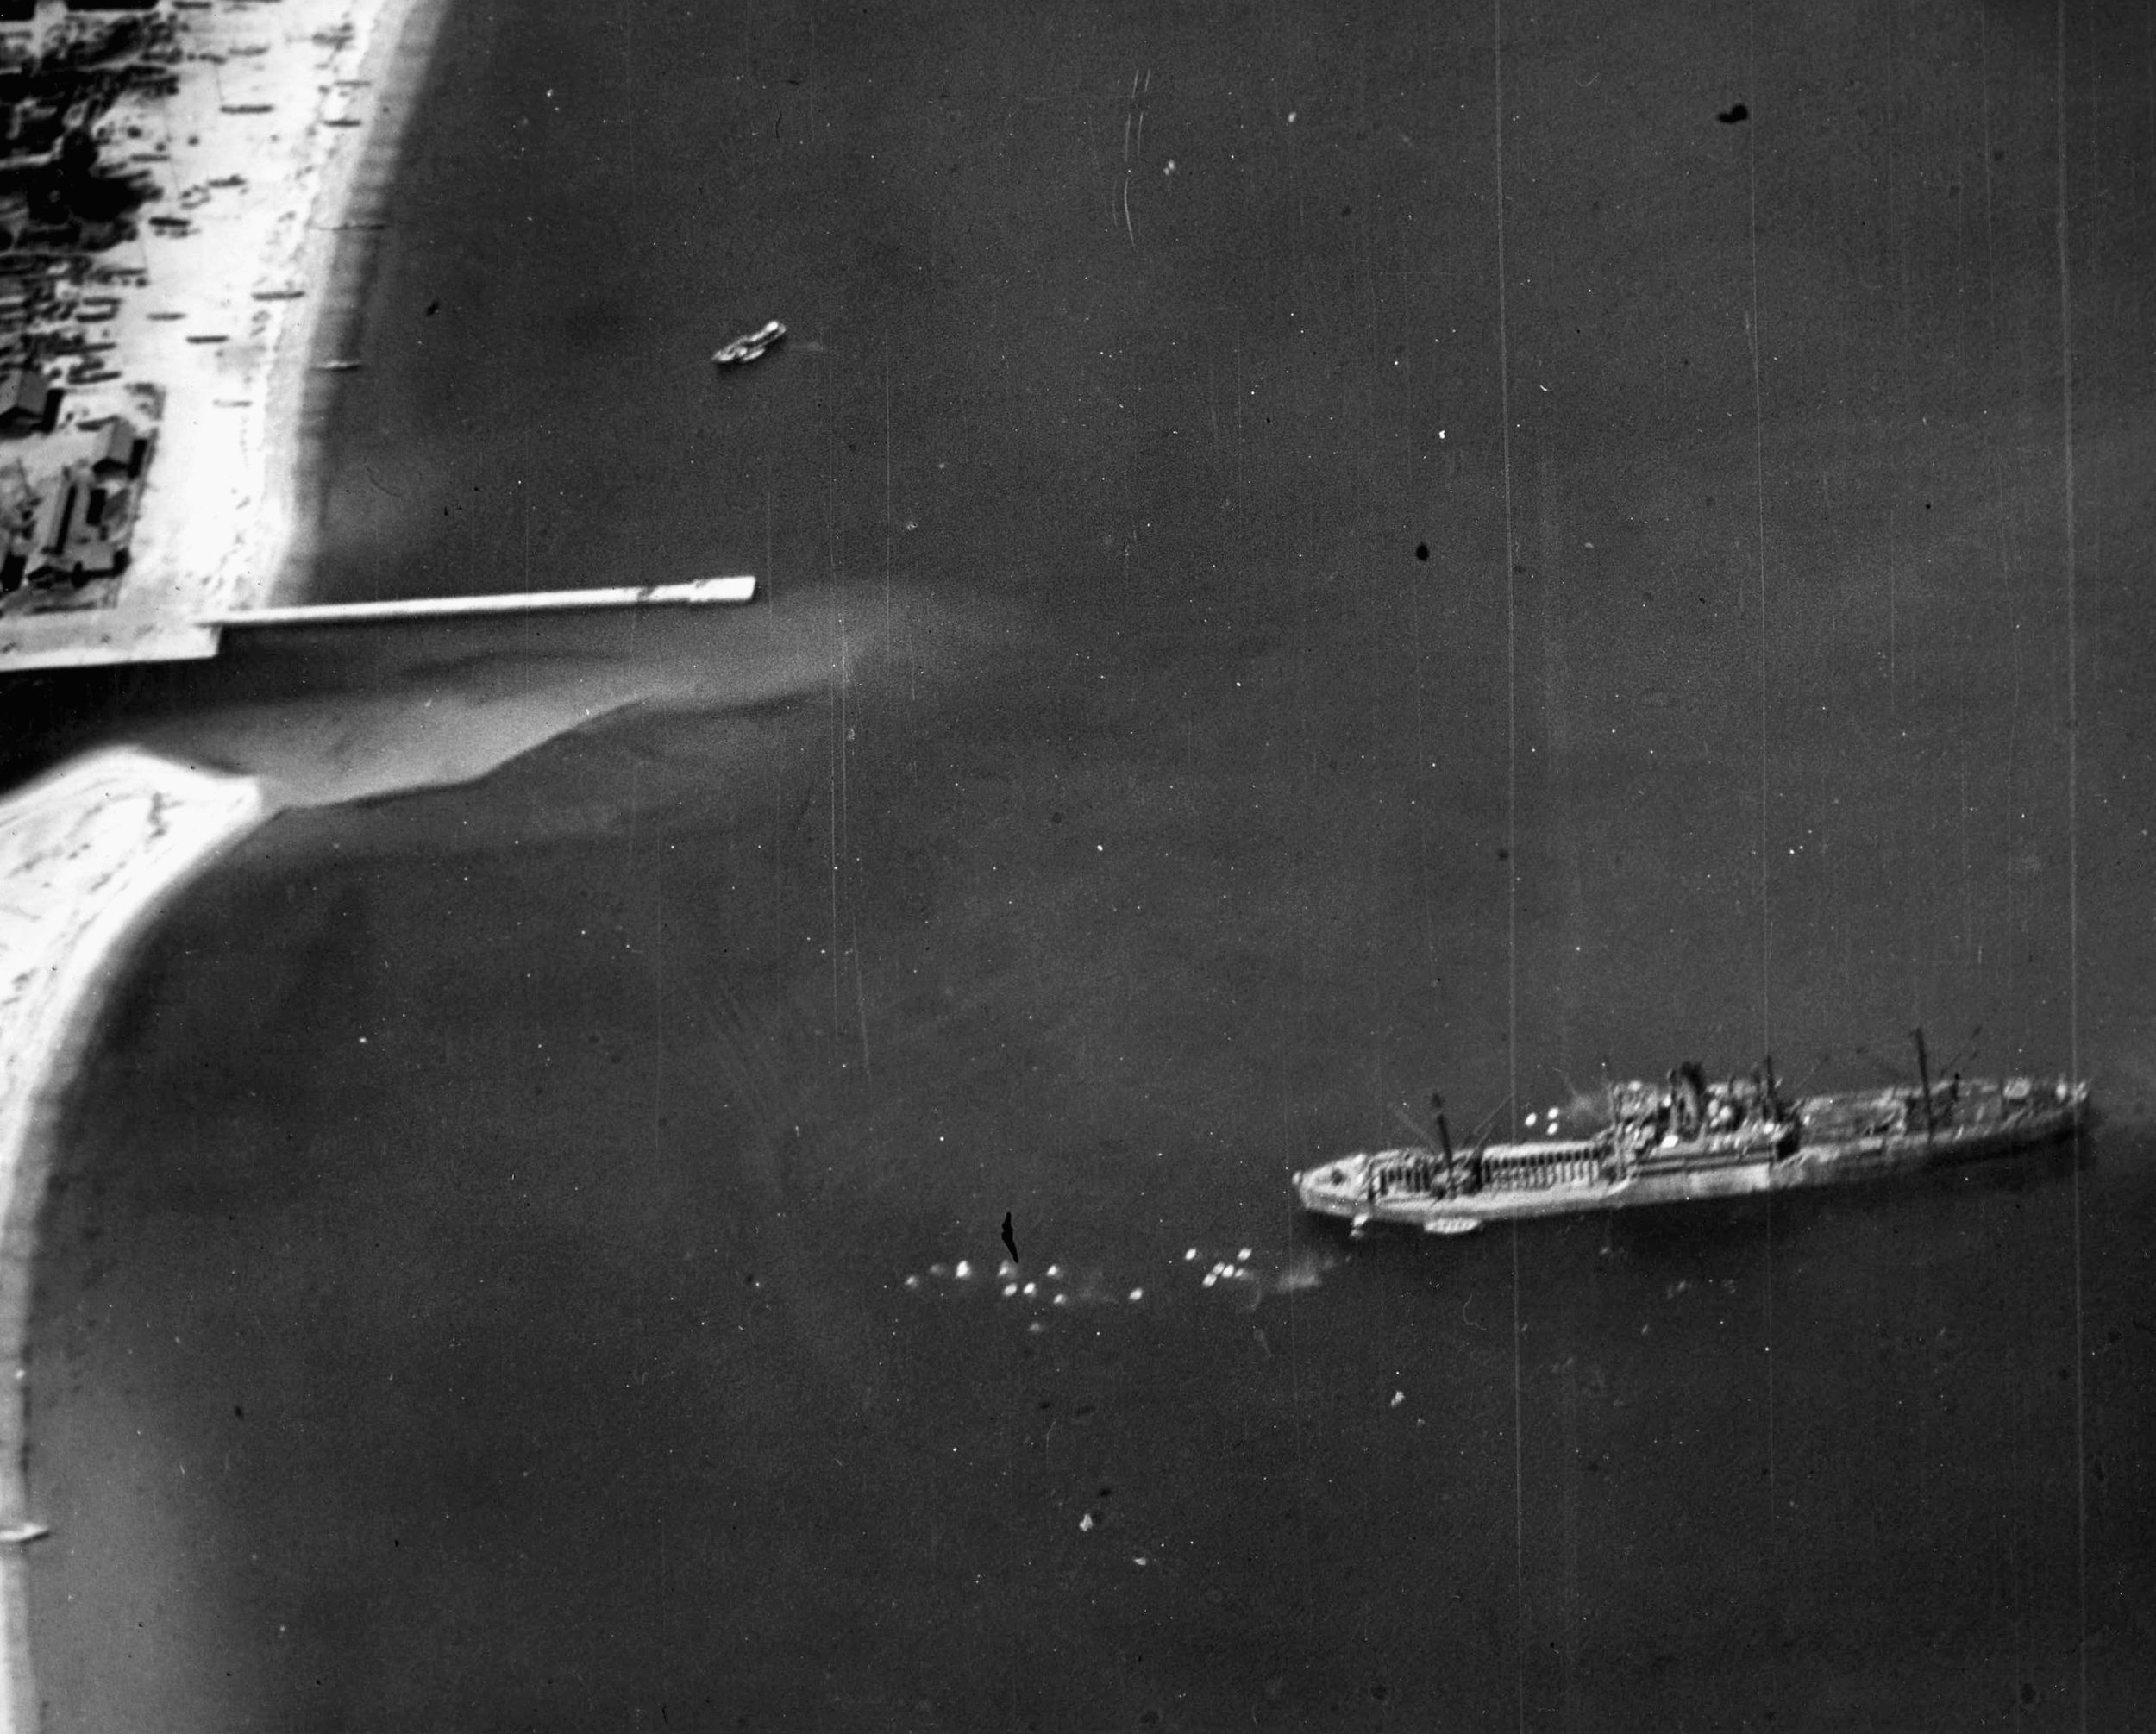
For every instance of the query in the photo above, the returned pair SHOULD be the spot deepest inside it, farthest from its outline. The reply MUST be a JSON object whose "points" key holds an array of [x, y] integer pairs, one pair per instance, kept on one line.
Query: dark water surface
{"points": [[475, 1290]]}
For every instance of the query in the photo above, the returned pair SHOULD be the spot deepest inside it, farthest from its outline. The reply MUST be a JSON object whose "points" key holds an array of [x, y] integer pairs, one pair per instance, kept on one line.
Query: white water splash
{"points": [[1244, 1275]]}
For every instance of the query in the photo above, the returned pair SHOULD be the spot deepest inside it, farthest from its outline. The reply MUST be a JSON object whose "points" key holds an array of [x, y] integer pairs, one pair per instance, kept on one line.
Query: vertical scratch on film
{"points": [[2073, 816], [1512, 860], [1759, 550]]}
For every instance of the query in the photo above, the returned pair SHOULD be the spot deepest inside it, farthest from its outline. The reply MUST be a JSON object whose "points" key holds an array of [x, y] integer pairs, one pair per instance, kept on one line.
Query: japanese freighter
{"points": [[1687, 1138]]}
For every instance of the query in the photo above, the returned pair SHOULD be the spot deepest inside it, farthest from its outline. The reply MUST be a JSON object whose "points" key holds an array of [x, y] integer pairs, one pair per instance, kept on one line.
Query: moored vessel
{"points": [[1687, 1139]]}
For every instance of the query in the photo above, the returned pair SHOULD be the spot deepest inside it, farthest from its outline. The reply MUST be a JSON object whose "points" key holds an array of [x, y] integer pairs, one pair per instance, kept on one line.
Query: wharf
{"points": [[697, 592], [96, 636]]}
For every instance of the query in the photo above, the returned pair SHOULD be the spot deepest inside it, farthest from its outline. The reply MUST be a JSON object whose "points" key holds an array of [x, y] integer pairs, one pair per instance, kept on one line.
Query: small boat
{"points": [[749, 347], [1687, 1139]]}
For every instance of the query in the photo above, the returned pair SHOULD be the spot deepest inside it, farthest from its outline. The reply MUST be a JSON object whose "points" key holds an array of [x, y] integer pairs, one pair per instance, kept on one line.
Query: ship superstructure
{"points": [[1687, 1138]]}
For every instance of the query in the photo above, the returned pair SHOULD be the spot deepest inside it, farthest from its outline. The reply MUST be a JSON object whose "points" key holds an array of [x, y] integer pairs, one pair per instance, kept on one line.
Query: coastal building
{"points": [[73, 527], [18, 508], [92, 556], [121, 448], [56, 518], [27, 400]]}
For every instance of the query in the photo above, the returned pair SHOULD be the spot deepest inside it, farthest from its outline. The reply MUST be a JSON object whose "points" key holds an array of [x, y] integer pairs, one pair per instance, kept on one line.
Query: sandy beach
{"points": [[285, 121], [86, 855]]}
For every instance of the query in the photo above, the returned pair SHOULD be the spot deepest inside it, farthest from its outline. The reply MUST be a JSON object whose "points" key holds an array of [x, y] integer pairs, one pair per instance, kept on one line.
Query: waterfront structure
{"points": [[26, 401], [122, 448]]}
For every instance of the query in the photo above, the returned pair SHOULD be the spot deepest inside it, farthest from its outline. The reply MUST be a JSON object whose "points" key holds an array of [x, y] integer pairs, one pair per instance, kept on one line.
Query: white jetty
{"points": [[697, 592], [108, 636]]}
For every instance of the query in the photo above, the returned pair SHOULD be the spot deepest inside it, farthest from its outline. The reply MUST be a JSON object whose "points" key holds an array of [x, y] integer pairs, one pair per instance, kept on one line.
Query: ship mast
{"points": [[1924, 1079]]}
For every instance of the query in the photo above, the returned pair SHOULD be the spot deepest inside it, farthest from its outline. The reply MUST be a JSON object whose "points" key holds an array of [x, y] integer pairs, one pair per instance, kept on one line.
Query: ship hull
{"points": [[1577, 1177]]}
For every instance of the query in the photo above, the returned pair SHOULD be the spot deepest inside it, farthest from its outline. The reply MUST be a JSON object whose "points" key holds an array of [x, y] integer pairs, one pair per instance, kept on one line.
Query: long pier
{"points": [[90, 637], [697, 593]]}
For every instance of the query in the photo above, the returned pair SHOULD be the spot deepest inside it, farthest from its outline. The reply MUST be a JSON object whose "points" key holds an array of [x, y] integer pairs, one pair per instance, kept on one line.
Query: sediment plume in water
{"points": [[390, 710]]}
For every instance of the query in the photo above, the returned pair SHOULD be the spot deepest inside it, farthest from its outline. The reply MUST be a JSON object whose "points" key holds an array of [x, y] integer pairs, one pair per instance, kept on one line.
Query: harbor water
{"points": [[1254, 638]]}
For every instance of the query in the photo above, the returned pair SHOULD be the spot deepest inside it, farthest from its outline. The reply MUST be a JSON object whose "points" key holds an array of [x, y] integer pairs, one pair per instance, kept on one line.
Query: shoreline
{"points": [[354, 187], [87, 857], [91, 851], [267, 167]]}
